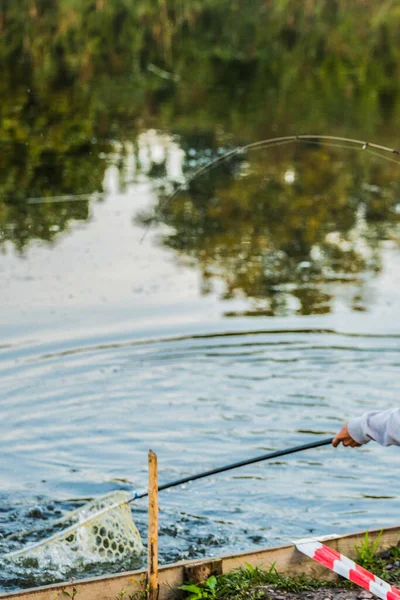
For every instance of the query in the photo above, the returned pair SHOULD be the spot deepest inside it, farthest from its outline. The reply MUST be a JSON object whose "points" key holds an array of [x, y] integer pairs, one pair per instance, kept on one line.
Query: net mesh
{"points": [[88, 536]]}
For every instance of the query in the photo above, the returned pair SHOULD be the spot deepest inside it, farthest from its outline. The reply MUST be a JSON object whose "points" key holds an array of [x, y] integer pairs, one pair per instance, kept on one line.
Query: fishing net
{"points": [[101, 531]]}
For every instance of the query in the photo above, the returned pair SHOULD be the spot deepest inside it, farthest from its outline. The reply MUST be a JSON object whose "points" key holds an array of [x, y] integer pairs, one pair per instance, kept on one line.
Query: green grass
{"points": [[245, 583], [377, 562]]}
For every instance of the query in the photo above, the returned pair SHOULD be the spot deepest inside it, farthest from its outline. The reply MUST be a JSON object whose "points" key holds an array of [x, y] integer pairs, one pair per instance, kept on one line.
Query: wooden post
{"points": [[153, 528]]}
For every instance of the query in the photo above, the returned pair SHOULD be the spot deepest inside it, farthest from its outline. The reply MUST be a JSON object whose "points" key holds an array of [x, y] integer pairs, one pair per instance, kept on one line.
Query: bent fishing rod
{"points": [[328, 140], [235, 465], [311, 139]]}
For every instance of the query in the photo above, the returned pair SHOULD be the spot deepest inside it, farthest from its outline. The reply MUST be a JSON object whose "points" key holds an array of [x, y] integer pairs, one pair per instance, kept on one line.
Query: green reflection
{"points": [[285, 226], [82, 79]]}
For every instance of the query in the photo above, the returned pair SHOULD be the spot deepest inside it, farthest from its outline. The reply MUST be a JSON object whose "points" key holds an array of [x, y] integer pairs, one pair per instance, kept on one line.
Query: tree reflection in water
{"points": [[81, 82], [284, 226]]}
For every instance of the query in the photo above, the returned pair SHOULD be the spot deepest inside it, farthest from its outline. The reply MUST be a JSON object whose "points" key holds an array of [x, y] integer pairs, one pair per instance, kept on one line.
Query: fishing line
{"points": [[332, 145], [393, 160], [266, 147]]}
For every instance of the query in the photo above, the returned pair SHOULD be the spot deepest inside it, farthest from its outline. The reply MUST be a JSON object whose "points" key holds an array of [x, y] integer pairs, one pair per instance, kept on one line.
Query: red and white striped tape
{"points": [[347, 568]]}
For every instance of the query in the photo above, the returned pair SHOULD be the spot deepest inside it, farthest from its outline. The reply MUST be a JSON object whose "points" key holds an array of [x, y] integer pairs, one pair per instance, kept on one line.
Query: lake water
{"points": [[256, 309], [111, 347]]}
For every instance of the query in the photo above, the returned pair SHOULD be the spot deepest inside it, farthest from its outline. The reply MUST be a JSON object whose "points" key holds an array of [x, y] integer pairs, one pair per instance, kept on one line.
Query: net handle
{"points": [[137, 495], [236, 465]]}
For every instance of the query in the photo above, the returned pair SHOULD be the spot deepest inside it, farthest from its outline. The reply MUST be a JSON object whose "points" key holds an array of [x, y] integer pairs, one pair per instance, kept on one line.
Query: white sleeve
{"points": [[382, 426]]}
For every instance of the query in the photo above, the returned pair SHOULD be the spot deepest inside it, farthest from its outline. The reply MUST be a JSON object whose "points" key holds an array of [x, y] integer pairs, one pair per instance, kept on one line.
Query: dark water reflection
{"points": [[285, 228], [75, 98]]}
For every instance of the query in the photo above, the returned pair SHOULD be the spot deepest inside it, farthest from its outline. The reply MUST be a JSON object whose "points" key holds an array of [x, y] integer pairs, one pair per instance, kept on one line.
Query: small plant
{"points": [[72, 595], [367, 553], [201, 591], [139, 594], [383, 564]]}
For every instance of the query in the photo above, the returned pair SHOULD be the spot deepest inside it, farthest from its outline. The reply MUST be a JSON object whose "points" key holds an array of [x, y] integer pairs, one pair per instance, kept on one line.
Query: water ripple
{"points": [[78, 421]]}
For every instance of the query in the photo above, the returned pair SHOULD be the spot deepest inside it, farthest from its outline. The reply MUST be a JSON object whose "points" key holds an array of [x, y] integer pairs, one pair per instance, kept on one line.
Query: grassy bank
{"points": [[251, 583]]}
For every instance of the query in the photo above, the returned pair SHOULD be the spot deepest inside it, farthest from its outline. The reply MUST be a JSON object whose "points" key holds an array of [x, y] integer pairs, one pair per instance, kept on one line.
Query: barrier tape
{"points": [[346, 567]]}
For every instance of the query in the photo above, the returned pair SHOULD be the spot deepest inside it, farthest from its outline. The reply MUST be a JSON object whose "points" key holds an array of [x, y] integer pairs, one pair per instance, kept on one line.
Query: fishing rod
{"points": [[328, 140], [62, 535], [235, 465]]}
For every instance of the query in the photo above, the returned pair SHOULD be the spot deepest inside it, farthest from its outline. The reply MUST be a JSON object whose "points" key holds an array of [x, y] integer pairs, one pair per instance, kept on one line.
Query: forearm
{"points": [[382, 426]]}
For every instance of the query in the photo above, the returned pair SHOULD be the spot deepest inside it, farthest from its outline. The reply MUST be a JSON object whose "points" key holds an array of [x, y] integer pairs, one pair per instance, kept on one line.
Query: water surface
{"points": [[259, 311], [109, 349]]}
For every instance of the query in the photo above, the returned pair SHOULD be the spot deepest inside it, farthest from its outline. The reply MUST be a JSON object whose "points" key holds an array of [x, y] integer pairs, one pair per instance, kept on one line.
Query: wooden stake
{"points": [[153, 528]]}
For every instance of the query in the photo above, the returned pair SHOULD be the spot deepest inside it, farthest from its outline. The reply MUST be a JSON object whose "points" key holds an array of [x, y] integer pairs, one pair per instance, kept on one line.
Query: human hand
{"points": [[344, 437]]}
